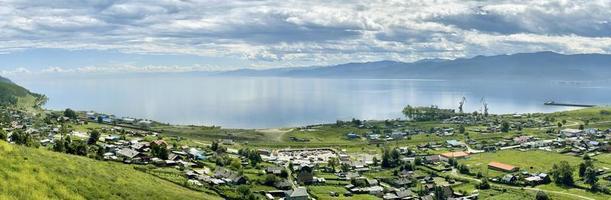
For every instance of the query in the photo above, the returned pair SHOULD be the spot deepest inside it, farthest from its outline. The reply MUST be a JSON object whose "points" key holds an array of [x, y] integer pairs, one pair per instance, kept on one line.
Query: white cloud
{"points": [[315, 32]]}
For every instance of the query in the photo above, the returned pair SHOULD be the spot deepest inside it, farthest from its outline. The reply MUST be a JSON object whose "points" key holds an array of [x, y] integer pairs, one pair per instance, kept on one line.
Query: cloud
{"points": [[308, 32]]}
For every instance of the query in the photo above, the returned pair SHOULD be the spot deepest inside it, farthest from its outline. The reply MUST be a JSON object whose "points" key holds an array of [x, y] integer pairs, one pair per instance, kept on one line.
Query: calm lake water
{"points": [[255, 102]]}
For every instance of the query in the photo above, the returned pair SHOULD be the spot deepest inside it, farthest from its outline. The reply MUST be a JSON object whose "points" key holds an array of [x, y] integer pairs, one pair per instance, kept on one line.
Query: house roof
{"points": [[299, 192], [502, 166], [127, 152], [458, 154]]}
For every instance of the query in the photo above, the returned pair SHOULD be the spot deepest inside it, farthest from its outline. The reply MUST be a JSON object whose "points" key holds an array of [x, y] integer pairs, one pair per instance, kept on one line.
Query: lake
{"points": [[265, 102]]}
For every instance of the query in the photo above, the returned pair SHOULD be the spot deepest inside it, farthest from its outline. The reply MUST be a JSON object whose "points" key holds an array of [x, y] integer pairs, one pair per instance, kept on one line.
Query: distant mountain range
{"points": [[521, 66]]}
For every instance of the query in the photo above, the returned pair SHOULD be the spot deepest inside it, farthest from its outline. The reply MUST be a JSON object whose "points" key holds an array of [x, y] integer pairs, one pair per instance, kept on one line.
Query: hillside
{"points": [[536, 66], [29, 173], [10, 92]]}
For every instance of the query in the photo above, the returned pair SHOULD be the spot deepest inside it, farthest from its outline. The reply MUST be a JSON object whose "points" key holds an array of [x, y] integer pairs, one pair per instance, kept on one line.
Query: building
{"points": [[509, 179], [456, 155], [352, 135], [128, 153], [454, 143], [300, 193], [502, 167], [569, 132], [305, 176]]}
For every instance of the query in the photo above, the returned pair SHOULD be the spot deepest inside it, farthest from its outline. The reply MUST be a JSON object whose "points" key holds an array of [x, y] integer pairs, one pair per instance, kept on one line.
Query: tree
{"points": [[21, 138], [346, 167], [541, 196], [284, 173], [332, 163], [69, 113], [3, 134], [418, 161], [463, 169], [214, 146], [590, 178], [439, 193], [562, 173], [99, 153], [483, 185], [160, 150], [505, 127], [59, 146], [80, 148], [270, 179], [390, 158], [94, 136], [583, 166], [461, 129]]}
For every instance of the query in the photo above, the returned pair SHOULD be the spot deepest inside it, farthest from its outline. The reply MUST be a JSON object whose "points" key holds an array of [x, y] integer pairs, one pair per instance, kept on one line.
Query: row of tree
{"points": [[430, 113]]}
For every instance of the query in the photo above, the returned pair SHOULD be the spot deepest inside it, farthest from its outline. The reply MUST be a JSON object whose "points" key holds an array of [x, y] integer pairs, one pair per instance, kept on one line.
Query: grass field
{"points": [[532, 161], [506, 195], [553, 187], [29, 173]]}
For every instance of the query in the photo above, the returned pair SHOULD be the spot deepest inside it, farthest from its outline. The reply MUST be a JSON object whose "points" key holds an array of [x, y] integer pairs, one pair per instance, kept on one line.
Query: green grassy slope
{"points": [[29, 173], [10, 92]]}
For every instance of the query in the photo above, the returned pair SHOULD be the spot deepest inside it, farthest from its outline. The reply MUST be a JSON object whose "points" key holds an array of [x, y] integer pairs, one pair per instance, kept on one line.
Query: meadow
{"points": [[30, 173]]}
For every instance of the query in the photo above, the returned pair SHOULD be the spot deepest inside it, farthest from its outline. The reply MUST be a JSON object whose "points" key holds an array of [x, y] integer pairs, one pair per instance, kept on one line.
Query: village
{"points": [[457, 158]]}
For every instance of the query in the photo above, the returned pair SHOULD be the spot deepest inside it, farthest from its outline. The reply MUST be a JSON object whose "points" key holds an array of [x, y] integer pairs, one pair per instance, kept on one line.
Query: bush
{"points": [[541, 196]]}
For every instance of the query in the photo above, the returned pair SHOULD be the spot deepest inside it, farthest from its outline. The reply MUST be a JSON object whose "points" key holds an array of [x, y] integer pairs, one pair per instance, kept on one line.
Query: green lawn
{"points": [[29, 173], [510, 194], [532, 161]]}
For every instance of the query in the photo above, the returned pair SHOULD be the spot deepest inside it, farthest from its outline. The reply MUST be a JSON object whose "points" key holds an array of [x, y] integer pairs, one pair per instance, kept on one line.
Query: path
{"points": [[276, 133]]}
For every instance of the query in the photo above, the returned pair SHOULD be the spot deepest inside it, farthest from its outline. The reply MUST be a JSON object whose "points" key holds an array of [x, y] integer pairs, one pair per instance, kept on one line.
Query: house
{"points": [[522, 139], [128, 153], [456, 155], [372, 182], [305, 176], [398, 135], [432, 159], [273, 170], [406, 194], [300, 193], [375, 190], [229, 176], [264, 152], [509, 178], [502, 167], [352, 135], [533, 180], [128, 120], [400, 182], [454, 143], [569, 132], [283, 184]]}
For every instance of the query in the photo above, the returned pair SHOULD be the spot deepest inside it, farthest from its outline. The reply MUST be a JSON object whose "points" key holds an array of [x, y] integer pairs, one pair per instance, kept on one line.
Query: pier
{"points": [[552, 103]]}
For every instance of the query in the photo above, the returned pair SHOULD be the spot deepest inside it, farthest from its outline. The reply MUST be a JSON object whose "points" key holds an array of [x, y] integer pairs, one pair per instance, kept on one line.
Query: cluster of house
{"points": [[494, 125], [514, 177], [303, 156], [110, 119]]}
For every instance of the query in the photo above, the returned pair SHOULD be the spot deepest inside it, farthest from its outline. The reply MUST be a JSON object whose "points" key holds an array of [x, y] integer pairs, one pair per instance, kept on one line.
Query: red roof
{"points": [[502, 166], [458, 154], [160, 142]]}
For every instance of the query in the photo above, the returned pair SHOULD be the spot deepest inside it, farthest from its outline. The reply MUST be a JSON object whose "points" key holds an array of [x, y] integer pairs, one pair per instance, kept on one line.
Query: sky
{"points": [[88, 36]]}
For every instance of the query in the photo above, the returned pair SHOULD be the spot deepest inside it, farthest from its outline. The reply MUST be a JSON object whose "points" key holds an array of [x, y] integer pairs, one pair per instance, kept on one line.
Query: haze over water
{"points": [[266, 102]]}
